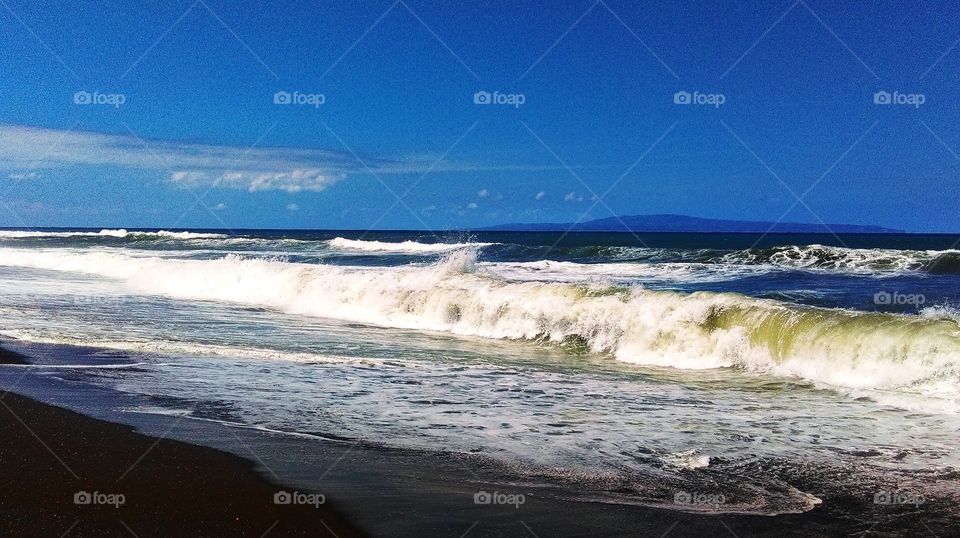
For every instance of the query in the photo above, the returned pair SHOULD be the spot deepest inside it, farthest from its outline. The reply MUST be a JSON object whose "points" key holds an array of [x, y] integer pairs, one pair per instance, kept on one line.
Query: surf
{"points": [[107, 233], [855, 350], [400, 247], [848, 259]]}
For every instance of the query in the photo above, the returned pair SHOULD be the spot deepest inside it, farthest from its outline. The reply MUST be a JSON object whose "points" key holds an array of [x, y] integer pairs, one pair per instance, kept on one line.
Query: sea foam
{"points": [[118, 233], [403, 246], [918, 355]]}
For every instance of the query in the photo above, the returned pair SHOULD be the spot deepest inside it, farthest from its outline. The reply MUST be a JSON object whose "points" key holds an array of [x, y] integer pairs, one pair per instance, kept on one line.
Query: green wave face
{"points": [[846, 348], [839, 348]]}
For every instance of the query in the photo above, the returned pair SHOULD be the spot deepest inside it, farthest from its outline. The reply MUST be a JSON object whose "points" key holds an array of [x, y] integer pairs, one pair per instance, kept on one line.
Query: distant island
{"points": [[683, 223]]}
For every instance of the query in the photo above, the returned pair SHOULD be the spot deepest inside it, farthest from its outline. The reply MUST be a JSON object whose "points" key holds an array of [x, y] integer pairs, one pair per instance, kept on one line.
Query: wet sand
{"points": [[50, 456], [172, 488]]}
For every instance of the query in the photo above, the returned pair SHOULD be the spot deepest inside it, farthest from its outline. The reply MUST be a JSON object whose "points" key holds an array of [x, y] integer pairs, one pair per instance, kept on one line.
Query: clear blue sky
{"points": [[197, 81]]}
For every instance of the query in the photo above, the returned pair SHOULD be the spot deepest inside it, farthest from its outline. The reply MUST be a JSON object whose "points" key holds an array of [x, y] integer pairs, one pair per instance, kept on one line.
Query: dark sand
{"points": [[179, 489], [49, 454], [8, 356]]}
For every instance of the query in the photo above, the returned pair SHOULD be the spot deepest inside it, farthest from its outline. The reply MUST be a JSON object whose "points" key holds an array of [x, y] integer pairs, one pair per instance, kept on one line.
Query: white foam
{"points": [[119, 233], [181, 235], [824, 257], [687, 459], [166, 347], [403, 246], [561, 271], [855, 350], [122, 366]]}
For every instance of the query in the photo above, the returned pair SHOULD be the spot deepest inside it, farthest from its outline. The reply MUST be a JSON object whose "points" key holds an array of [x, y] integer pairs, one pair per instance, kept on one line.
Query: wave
{"points": [[166, 347], [848, 259], [695, 260], [791, 257], [619, 272], [917, 355], [802, 257], [119, 233], [120, 366], [404, 246]]}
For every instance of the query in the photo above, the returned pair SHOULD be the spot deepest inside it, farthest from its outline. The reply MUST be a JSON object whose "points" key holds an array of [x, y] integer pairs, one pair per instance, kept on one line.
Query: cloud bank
{"points": [[24, 150]]}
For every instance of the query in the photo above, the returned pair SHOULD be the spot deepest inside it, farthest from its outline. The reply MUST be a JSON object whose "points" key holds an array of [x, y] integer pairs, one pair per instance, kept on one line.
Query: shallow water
{"points": [[588, 359]]}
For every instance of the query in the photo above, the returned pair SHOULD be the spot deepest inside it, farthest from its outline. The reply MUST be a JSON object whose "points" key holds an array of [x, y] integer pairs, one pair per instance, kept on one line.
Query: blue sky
{"points": [[164, 115]]}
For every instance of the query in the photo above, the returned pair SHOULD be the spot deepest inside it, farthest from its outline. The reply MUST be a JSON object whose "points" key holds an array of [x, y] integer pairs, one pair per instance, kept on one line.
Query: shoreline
{"points": [[383, 490], [68, 474]]}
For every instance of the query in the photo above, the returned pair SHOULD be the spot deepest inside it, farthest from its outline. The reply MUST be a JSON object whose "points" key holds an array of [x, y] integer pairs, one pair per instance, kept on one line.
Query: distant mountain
{"points": [[682, 223]]}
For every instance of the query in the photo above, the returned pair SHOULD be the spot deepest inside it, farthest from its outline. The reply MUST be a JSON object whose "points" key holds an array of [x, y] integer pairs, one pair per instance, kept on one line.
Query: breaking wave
{"points": [[805, 257], [404, 246], [917, 355], [815, 257], [848, 259], [119, 233]]}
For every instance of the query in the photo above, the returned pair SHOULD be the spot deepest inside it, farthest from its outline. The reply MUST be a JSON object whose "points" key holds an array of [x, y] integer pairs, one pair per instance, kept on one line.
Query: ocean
{"points": [[586, 358]]}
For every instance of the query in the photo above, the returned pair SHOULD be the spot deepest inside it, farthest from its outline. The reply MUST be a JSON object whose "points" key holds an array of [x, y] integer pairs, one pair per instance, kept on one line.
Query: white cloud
{"points": [[472, 205], [25, 152], [539, 195], [185, 164], [293, 207], [219, 207], [572, 197], [291, 181]]}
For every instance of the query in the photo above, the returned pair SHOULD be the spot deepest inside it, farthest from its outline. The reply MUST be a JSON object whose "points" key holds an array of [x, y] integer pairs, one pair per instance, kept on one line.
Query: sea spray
{"points": [[858, 350]]}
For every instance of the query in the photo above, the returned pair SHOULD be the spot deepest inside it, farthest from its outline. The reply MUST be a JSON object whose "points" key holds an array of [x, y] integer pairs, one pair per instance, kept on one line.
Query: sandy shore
{"points": [[54, 460], [171, 488]]}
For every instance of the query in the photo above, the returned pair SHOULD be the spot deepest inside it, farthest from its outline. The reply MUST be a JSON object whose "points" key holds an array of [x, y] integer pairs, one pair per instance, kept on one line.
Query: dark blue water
{"points": [[856, 271]]}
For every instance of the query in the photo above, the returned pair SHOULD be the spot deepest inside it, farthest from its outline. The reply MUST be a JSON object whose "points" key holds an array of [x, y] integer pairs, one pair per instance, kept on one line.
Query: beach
{"points": [[71, 475], [174, 488], [495, 384], [583, 269]]}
